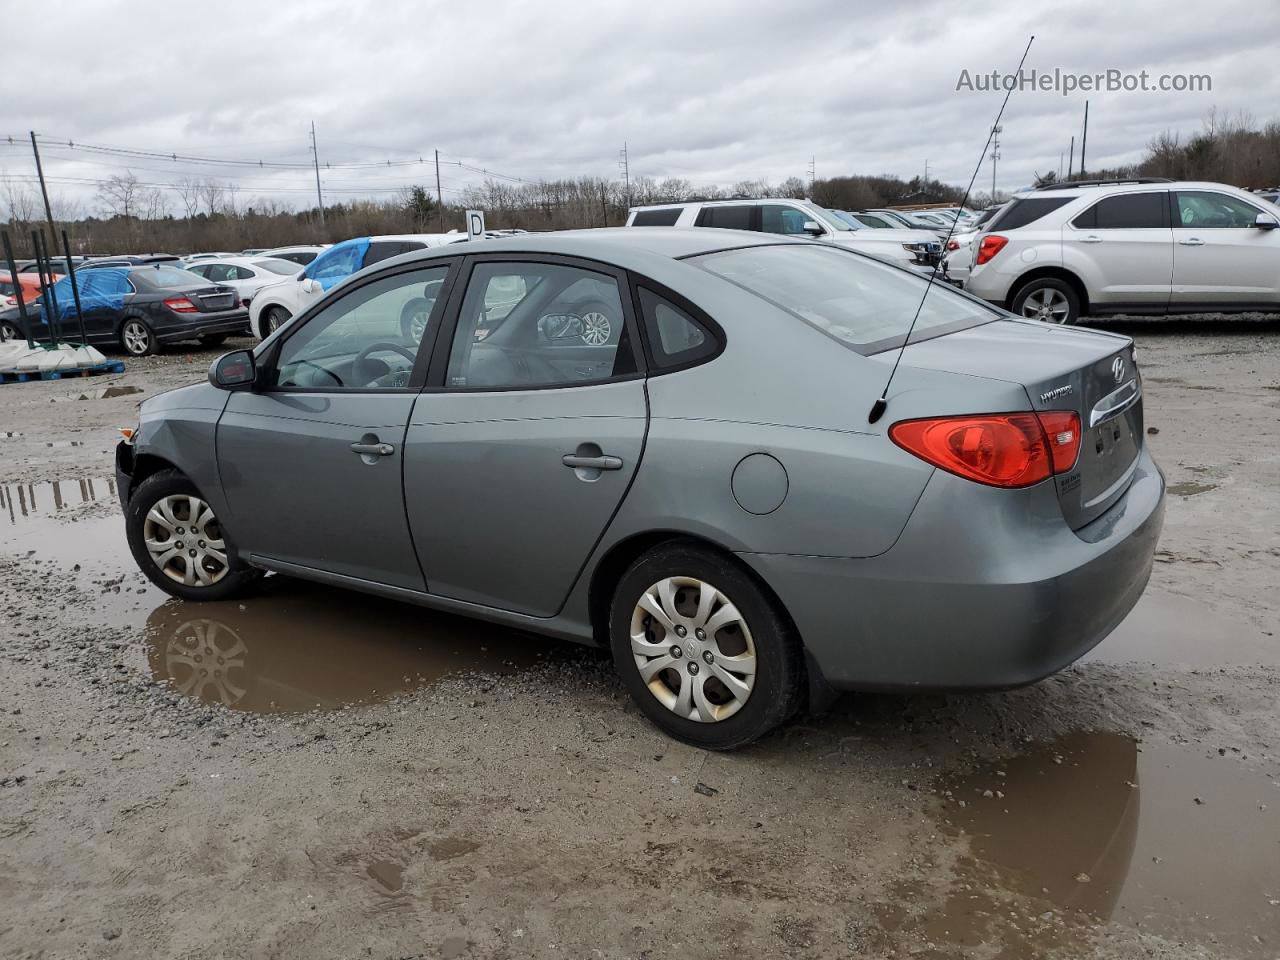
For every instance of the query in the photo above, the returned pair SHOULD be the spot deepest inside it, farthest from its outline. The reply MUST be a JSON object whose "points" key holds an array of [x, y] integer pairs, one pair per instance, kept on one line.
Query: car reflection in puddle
{"points": [[305, 647], [1173, 840]]}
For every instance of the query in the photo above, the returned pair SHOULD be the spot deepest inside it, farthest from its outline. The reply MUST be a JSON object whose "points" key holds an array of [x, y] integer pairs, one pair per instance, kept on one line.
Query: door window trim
{"points": [[417, 375], [437, 373]]}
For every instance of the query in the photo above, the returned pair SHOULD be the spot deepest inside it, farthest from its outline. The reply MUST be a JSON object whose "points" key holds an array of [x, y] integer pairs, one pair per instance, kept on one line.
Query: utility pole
{"points": [[315, 155], [995, 156], [625, 165], [1071, 157], [1084, 141], [439, 196], [813, 174], [925, 181], [44, 191]]}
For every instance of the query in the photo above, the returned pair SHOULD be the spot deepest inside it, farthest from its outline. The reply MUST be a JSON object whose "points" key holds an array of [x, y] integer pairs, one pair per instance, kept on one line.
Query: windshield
{"points": [[848, 220], [863, 303]]}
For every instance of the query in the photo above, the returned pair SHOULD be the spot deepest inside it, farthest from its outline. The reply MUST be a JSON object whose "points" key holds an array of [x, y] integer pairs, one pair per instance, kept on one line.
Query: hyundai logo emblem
{"points": [[1117, 368]]}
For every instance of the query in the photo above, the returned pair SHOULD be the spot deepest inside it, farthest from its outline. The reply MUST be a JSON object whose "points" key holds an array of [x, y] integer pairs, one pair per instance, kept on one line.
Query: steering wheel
{"points": [[361, 375]]}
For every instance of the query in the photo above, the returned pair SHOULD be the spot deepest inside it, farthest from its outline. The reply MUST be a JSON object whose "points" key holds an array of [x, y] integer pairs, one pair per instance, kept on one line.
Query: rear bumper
{"points": [[231, 322], [980, 591]]}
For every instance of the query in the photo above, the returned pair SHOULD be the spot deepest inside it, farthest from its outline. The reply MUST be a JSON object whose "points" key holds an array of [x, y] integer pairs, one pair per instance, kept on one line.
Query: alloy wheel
{"points": [[418, 325], [137, 338], [184, 540], [596, 328], [1046, 304], [693, 649], [8, 332]]}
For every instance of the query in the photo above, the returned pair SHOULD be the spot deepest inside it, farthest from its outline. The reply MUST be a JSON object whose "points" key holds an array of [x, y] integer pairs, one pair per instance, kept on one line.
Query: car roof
{"points": [[724, 202], [629, 247]]}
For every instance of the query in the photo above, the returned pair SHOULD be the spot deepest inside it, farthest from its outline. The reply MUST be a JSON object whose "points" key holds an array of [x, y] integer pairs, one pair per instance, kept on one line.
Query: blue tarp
{"points": [[337, 263], [104, 287]]}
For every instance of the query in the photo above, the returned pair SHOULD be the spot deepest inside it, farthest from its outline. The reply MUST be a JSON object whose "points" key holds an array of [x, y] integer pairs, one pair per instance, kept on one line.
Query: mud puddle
{"points": [[1170, 630], [1179, 841], [299, 646]]}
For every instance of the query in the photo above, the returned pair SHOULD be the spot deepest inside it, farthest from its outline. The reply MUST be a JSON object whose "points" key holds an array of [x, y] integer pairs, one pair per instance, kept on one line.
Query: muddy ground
{"points": [[310, 774]]}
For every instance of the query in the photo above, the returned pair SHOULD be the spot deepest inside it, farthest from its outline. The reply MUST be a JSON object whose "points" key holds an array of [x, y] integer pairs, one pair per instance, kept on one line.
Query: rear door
{"points": [[312, 464], [1219, 256], [525, 442], [1126, 241]]}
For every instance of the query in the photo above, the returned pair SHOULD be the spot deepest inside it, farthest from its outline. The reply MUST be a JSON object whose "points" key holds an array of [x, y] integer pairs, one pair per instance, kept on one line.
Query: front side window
{"points": [[861, 302], [1127, 211], [366, 340], [537, 325], [1206, 210], [777, 218]]}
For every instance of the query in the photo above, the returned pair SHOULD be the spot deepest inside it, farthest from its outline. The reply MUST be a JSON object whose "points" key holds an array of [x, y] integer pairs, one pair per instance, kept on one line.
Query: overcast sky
{"points": [[713, 92]]}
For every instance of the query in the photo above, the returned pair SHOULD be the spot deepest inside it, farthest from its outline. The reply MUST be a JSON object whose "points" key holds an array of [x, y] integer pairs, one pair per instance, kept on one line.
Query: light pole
{"points": [[995, 155]]}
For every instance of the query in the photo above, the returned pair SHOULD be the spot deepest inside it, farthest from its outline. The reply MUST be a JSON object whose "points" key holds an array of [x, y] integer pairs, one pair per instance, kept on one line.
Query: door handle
{"points": [[373, 449], [591, 463], [1092, 238], [1192, 242]]}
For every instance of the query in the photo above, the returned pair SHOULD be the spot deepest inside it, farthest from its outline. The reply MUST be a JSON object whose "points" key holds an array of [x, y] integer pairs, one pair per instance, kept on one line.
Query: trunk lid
{"points": [[1061, 368], [214, 299]]}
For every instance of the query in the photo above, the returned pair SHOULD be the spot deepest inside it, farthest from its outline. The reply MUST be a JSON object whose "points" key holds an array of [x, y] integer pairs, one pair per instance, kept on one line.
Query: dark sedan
{"points": [[138, 309]]}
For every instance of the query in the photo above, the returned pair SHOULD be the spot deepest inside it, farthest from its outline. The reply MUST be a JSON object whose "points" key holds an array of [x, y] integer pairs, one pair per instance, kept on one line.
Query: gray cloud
{"points": [[710, 91]]}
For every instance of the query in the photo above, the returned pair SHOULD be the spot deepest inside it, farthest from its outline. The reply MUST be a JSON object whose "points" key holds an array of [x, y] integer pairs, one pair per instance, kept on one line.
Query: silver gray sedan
{"points": [[661, 441]]}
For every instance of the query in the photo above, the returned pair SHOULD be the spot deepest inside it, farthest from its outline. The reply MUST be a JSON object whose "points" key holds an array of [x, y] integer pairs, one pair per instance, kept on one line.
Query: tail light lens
{"points": [[1000, 449], [953, 244], [990, 245], [180, 305]]}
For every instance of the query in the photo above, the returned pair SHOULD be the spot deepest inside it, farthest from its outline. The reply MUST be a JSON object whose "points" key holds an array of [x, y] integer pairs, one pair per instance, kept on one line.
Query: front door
{"points": [[1219, 256], [518, 459], [312, 464]]}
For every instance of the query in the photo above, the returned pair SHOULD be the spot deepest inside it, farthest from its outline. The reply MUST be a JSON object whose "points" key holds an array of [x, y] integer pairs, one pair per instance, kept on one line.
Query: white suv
{"points": [[1147, 245], [919, 250]]}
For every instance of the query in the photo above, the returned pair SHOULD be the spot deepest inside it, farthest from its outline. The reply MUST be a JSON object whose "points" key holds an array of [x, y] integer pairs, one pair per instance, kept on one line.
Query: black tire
{"points": [[1048, 291], [137, 338], [273, 318], [414, 308], [9, 332], [213, 339], [779, 679], [233, 582]]}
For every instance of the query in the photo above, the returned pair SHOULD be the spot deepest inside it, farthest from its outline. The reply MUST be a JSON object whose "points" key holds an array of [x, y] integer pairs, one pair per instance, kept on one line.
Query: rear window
{"points": [[164, 277], [1027, 210], [282, 267], [1126, 211], [656, 218], [726, 218], [859, 301]]}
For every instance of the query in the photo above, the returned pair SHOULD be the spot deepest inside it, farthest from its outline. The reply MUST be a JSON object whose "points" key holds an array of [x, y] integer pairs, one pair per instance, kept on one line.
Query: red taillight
{"points": [[990, 245], [998, 449], [180, 305], [953, 244]]}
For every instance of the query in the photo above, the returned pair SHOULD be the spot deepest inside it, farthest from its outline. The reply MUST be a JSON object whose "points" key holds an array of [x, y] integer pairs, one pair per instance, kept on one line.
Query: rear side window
{"points": [[726, 218], [381, 250], [1021, 212], [675, 338], [1131, 211], [656, 218]]}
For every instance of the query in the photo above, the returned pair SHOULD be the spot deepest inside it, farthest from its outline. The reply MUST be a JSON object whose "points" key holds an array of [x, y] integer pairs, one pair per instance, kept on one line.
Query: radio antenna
{"points": [[878, 408]]}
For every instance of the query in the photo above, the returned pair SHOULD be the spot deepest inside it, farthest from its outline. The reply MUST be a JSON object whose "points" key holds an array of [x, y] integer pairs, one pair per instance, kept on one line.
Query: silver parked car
{"points": [[703, 492]]}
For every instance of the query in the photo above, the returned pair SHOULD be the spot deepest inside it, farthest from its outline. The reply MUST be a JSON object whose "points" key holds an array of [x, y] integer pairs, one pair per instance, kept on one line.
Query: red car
{"points": [[30, 283]]}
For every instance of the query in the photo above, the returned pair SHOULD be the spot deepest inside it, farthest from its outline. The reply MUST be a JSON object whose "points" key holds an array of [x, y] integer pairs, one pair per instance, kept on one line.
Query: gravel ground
{"points": [[165, 793]]}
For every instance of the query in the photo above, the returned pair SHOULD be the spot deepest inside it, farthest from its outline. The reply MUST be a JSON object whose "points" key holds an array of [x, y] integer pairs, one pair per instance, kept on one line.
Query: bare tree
{"points": [[119, 195], [189, 192], [211, 192], [21, 203]]}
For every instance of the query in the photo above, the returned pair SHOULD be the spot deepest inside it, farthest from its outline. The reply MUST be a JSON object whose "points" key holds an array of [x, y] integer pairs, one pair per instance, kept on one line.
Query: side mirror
{"points": [[1266, 221], [812, 227], [308, 285], [565, 326], [234, 371]]}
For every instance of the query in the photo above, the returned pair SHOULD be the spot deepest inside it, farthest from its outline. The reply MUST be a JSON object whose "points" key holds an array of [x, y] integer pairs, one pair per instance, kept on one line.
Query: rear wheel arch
{"points": [[1054, 273]]}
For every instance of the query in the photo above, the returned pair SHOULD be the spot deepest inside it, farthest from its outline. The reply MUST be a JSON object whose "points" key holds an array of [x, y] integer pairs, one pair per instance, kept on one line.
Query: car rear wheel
{"points": [[213, 339], [9, 332], [703, 650], [136, 338], [1048, 300], [597, 324], [414, 316], [178, 542], [273, 320]]}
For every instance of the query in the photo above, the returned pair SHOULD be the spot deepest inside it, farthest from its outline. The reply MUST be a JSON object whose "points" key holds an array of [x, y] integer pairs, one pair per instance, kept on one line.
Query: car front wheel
{"points": [[9, 332], [178, 542], [136, 338], [1048, 300], [703, 650]]}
